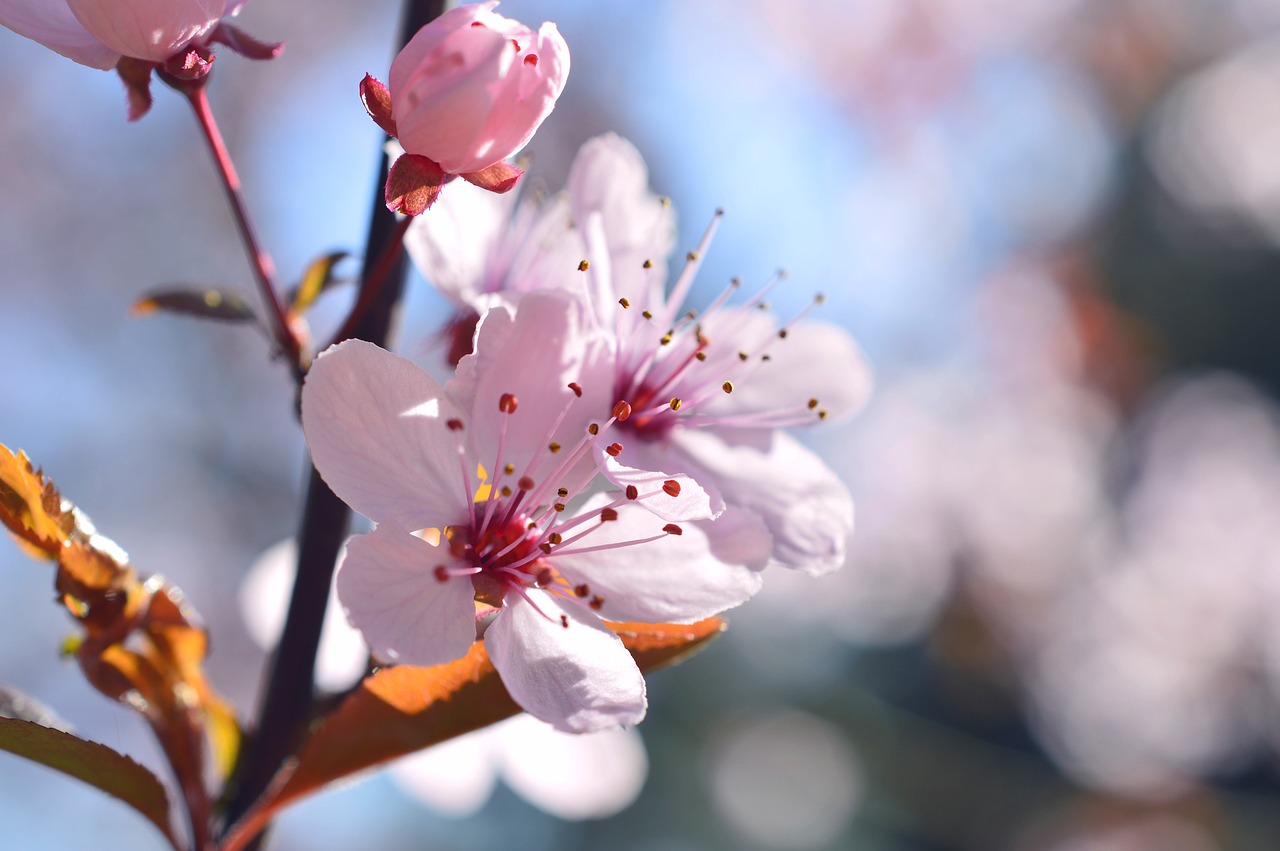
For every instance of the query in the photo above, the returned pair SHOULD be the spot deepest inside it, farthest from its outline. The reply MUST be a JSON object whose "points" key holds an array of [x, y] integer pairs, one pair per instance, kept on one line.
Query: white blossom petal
{"points": [[573, 777], [577, 678], [376, 426], [51, 23], [711, 566], [453, 245], [816, 360], [691, 501], [388, 588], [533, 350], [804, 505]]}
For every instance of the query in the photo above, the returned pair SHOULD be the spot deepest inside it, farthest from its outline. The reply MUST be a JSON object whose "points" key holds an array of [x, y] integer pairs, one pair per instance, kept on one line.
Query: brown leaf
{"points": [[92, 763], [399, 710], [205, 304]]}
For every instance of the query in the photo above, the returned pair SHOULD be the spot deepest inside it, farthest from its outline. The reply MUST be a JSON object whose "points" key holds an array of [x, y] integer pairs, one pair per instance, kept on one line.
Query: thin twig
{"points": [[263, 269]]}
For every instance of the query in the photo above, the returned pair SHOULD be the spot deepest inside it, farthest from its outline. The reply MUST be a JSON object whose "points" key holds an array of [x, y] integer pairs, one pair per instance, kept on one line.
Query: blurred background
{"points": [[1053, 227]]}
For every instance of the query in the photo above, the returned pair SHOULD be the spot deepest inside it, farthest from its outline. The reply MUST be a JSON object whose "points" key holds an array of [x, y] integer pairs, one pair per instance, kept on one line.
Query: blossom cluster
{"points": [[602, 453]]}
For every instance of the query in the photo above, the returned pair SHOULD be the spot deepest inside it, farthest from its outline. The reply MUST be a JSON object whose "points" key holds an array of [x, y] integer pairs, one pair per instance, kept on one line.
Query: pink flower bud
{"points": [[471, 87]]}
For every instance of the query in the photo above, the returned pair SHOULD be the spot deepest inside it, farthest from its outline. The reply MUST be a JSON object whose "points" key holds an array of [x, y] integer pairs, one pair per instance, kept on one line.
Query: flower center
{"points": [[682, 377]]}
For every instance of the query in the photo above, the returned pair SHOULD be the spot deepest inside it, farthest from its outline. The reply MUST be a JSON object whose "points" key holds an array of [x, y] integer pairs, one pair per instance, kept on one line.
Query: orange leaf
{"points": [[30, 505], [399, 710]]}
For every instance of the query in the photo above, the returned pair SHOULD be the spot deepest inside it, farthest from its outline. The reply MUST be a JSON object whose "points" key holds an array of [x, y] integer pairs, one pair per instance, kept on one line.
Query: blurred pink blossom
{"points": [[98, 33]]}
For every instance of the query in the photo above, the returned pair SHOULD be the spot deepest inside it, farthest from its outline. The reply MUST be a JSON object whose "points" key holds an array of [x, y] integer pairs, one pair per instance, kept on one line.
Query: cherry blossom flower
{"points": [[710, 392], [136, 37], [467, 91], [483, 472], [98, 33], [570, 776]]}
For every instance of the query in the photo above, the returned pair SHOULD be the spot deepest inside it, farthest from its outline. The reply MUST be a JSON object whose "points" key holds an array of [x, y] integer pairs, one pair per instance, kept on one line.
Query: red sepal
{"points": [[245, 44], [136, 76], [377, 102], [413, 184], [498, 177]]}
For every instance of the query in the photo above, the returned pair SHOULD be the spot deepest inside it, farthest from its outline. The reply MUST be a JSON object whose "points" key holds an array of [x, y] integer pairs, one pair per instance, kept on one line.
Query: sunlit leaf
{"points": [[399, 710], [318, 278], [30, 505], [92, 763], [142, 644], [204, 303]]}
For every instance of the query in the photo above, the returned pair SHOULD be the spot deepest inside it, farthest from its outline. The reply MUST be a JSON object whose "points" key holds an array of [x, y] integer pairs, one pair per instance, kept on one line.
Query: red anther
{"points": [[545, 547], [576, 388], [516, 45], [545, 576], [633, 492], [454, 425], [608, 514], [671, 487], [582, 590], [596, 603], [701, 356], [526, 483], [622, 410], [531, 60], [564, 621], [442, 575], [594, 428], [727, 387], [672, 529], [476, 24], [813, 403], [507, 403], [614, 449]]}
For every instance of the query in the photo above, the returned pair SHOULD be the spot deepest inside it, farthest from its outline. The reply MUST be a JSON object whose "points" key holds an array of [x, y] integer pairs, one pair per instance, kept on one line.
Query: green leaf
{"points": [[205, 304], [403, 709], [92, 763]]}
